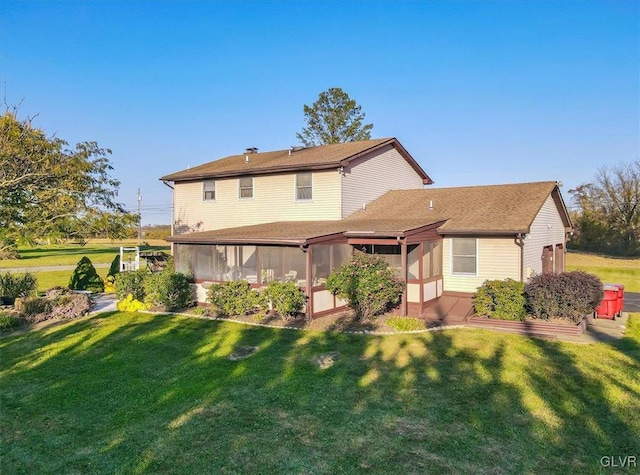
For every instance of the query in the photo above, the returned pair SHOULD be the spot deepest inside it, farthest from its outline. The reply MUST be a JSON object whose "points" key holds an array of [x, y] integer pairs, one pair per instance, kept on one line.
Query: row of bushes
{"points": [[167, 289], [570, 295], [13, 286], [238, 298]]}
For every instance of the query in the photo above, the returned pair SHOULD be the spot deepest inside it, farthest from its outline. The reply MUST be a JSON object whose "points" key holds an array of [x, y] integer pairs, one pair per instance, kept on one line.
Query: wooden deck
{"points": [[450, 309]]}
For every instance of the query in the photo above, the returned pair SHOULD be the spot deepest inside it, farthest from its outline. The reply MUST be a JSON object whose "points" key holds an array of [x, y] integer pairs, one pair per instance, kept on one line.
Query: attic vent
{"points": [[251, 150]]}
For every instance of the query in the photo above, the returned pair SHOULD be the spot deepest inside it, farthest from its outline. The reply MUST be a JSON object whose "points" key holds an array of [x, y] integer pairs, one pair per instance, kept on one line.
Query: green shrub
{"points": [[406, 324], [114, 269], [85, 277], [286, 298], [131, 282], [168, 289], [129, 304], [569, 295], [368, 284], [9, 322], [234, 298], [201, 311], [17, 285], [501, 299]]}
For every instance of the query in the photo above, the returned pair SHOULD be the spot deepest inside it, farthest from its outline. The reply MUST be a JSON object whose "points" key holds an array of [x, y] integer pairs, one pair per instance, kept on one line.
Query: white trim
{"points": [[205, 191], [240, 197], [295, 187], [463, 274]]}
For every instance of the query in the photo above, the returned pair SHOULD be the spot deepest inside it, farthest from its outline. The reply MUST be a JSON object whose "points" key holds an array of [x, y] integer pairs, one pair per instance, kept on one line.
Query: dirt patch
{"points": [[243, 352]]}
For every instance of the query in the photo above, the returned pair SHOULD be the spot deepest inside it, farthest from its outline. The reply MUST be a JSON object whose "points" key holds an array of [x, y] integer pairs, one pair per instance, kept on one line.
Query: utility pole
{"points": [[139, 218]]}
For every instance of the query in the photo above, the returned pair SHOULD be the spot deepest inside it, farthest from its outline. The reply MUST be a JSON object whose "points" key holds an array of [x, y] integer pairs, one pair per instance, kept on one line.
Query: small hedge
{"points": [[501, 299], [570, 295], [234, 298], [131, 282], [368, 283], [286, 298], [168, 289]]}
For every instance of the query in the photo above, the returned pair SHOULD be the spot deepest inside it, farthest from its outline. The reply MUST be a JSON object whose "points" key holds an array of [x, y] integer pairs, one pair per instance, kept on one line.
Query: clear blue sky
{"points": [[479, 92]]}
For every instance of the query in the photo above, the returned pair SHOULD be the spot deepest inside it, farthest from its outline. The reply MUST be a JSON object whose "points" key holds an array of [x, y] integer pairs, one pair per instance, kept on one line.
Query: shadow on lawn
{"points": [[133, 393]]}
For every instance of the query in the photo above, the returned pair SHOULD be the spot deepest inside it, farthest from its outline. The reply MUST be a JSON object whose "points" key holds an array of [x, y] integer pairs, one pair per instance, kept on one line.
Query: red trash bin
{"points": [[609, 306], [620, 299]]}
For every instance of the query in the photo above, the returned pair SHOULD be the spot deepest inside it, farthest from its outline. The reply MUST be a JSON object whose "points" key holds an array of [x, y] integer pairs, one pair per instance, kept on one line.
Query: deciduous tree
{"points": [[608, 217], [48, 190], [333, 118]]}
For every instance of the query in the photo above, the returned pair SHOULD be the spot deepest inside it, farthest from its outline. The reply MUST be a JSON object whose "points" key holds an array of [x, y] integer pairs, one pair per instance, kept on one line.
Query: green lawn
{"points": [[70, 254], [615, 270], [132, 393], [60, 278]]}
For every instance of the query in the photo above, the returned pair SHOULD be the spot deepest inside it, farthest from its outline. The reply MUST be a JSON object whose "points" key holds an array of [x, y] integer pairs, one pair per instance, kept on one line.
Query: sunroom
{"points": [[307, 252]]}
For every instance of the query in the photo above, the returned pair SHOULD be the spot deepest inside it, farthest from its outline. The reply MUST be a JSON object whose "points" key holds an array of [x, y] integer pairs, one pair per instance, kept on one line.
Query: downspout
{"points": [[520, 243], [166, 183]]}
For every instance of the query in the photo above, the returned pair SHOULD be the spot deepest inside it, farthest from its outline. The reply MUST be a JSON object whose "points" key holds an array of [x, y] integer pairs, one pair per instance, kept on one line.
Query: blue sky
{"points": [[479, 92]]}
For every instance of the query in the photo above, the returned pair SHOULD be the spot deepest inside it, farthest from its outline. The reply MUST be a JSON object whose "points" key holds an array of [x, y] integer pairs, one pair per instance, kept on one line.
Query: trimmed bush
{"points": [[286, 298], [17, 285], [368, 283], [406, 324], [501, 299], [234, 298], [131, 282], [569, 295], [129, 304], [114, 269], [85, 277], [168, 289]]}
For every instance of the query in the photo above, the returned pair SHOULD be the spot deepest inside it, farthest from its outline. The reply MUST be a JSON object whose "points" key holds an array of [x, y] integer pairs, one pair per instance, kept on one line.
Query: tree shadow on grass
{"points": [[132, 393]]}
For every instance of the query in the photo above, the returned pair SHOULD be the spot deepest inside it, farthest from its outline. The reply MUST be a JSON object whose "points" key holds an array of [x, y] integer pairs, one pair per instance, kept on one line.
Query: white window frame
{"points": [[240, 188], [296, 187], [205, 190], [451, 257]]}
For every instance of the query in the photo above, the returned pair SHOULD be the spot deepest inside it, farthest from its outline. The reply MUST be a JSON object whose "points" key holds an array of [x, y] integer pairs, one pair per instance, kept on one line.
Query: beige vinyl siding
{"points": [[497, 258], [547, 229], [273, 200], [371, 176]]}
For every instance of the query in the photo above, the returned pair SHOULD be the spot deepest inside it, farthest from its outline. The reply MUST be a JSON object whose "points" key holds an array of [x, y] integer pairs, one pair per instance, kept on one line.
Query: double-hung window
{"points": [[304, 187], [208, 190], [464, 256], [245, 185]]}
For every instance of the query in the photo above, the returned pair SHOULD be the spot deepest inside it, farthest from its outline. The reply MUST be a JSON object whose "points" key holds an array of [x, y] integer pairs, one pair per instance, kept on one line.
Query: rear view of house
{"points": [[302, 217]]}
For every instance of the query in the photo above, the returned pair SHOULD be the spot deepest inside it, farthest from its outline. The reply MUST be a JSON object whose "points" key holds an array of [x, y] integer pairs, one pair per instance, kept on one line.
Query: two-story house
{"points": [[298, 214]]}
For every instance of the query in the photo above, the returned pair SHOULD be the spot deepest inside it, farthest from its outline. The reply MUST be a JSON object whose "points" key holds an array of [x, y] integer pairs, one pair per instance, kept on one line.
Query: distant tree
{"points": [[333, 118], [608, 216], [48, 190]]}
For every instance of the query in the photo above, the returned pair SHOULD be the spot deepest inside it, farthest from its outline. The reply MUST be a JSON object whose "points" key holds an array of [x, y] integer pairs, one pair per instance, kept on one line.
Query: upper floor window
{"points": [[209, 190], [464, 256], [304, 187], [246, 187]]}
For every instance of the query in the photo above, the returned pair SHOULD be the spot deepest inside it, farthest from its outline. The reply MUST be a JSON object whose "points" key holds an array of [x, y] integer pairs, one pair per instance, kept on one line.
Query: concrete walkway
{"points": [[103, 303]]}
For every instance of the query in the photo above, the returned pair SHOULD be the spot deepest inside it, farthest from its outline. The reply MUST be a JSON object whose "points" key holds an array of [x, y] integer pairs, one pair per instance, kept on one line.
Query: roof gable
{"points": [[305, 159]]}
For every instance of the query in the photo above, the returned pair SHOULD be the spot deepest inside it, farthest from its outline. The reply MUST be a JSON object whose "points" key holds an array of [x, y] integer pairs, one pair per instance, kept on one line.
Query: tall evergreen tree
{"points": [[333, 118]]}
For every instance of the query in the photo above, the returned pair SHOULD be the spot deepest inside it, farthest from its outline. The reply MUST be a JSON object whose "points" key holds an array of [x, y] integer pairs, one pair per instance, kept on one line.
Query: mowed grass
{"points": [[60, 278], [133, 393], [99, 251], [615, 270]]}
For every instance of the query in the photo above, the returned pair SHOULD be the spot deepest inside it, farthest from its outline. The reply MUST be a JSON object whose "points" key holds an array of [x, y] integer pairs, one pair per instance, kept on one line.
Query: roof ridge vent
{"points": [[250, 150]]}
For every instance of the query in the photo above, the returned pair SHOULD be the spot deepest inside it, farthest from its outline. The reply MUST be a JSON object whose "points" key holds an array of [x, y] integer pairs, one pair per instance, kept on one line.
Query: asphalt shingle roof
{"points": [[310, 158]]}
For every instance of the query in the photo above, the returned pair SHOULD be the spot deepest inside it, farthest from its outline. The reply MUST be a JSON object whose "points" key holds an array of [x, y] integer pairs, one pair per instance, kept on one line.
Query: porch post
{"points": [[309, 255], [403, 258]]}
